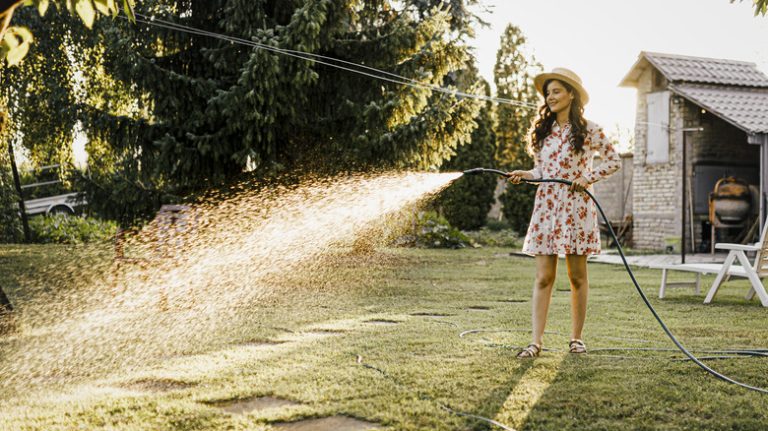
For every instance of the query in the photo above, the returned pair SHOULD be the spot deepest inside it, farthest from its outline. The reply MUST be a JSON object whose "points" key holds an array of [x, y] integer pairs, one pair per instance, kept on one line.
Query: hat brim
{"points": [[542, 78]]}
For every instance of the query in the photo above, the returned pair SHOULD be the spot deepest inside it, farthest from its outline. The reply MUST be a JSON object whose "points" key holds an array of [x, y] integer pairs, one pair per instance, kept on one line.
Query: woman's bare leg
{"points": [[546, 270], [577, 274]]}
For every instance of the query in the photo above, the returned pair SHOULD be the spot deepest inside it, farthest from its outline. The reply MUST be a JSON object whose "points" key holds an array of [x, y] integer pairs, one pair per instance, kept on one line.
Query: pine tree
{"points": [[513, 75], [466, 203]]}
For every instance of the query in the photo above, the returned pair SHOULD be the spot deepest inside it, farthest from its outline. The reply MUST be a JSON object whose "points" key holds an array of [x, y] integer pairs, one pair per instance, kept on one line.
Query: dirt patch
{"points": [[260, 343], [253, 404], [431, 315], [333, 423], [382, 322], [321, 333], [158, 385], [479, 308]]}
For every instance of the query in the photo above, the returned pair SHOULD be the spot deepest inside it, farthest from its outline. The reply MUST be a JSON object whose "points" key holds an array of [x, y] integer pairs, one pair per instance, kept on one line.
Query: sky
{"points": [[600, 40]]}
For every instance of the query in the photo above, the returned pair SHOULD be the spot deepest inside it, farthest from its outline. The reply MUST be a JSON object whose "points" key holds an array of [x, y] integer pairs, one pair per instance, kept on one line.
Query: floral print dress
{"points": [[565, 222]]}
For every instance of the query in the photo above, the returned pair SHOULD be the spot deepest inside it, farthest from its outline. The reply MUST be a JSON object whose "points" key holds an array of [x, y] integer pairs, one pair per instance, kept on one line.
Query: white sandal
{"points": [[577, 346], [532, 351]]}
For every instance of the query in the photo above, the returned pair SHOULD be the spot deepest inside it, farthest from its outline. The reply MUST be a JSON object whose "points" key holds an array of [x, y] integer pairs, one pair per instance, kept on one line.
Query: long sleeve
{"points": [[610, 161], [536, 171]]}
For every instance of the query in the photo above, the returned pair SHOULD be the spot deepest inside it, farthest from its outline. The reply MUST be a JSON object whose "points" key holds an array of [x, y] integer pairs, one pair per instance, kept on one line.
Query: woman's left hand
{"points": [[579, 185]]}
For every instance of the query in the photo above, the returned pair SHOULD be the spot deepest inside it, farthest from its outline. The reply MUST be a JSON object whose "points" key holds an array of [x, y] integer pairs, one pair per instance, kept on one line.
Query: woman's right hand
{"points": [[515, 177]]}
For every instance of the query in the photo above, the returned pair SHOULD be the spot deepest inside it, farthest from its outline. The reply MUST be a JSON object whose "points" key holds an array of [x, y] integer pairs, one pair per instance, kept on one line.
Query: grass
{"points": [[316, 342]]}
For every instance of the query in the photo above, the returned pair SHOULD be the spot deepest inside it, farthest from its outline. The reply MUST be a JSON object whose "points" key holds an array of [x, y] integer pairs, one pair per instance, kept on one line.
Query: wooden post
{"points": [[16, 180], [682, 233]]}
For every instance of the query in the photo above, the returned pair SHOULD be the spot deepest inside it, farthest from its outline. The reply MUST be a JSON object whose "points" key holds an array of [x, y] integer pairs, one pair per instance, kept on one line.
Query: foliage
{"points": [[517, 207], [28, 177], [489, 237], [63, 229], [168, 113], [15, 41], [431, 230], [39, 94], [10, 222], [465, 204], [513, 75], [761, 6]]}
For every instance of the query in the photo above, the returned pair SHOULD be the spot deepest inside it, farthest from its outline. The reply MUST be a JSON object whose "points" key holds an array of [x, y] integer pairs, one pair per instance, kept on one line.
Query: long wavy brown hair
{"points": [[543, 125]]}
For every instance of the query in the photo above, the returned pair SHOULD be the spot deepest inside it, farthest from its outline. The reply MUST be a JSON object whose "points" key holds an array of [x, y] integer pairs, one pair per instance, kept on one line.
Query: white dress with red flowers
{"points": [[565, 222]]}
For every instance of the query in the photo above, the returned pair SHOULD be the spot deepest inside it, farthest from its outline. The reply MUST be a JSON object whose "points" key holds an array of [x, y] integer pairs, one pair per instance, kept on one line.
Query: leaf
{"points": [[86, 12], [17, 54], [9, 40], [114, 8], [42, 6], [15, 44], [128, 8], [103, 6], [16, 36]]}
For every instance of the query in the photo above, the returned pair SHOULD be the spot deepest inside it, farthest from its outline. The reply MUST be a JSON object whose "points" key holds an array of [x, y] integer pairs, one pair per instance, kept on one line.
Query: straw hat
{"points": [[564, 75]]}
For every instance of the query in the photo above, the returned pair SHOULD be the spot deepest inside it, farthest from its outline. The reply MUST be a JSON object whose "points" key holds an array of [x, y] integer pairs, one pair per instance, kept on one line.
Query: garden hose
{"points": [[631, 275]]}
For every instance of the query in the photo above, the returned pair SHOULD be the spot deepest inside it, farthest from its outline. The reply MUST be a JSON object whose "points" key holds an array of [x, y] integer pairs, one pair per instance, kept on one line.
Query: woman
{"points": [[564, 219]]}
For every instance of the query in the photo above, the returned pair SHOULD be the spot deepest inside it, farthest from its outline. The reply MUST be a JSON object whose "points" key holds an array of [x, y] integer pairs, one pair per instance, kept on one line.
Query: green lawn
{"points": [[351, 336]]}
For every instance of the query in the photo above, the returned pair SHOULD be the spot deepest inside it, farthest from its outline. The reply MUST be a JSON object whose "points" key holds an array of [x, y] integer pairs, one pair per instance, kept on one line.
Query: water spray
{"points": [[685, 351]]}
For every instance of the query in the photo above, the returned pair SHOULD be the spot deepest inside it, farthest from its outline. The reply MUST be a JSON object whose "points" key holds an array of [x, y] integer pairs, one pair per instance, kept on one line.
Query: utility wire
{"points": [[328, 61]]}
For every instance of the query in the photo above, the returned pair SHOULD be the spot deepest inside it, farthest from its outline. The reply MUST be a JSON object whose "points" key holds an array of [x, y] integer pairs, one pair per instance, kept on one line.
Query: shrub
{"points": [[517, 206], [465, 204], [63, 229], [497, 225], [430, 230], [495, 237]]}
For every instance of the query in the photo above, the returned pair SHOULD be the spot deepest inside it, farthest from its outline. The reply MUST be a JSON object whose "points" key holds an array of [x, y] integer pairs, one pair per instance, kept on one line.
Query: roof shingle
{"points": [[682, 68], [678, 68], [745, 108]]}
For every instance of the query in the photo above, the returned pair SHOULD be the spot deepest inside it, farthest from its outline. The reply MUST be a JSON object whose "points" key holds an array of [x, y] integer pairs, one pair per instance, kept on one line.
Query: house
{"points": [[719, 110]]}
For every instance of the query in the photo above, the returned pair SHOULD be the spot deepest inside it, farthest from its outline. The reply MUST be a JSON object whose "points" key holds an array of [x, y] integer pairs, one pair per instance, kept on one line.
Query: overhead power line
{"points": [[337, 63]]}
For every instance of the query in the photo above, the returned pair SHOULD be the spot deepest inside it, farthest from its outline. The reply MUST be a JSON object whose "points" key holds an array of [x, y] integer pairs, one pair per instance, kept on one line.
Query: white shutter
{"points": [[657, 127]]}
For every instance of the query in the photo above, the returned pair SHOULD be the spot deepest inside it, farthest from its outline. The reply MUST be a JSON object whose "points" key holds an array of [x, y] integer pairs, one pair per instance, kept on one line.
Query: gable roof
{"points": [[744, 107], [682, 68]]}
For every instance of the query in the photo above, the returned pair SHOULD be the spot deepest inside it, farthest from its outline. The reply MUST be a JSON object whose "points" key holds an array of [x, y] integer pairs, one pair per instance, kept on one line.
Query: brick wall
{"points": [[656, 187]]}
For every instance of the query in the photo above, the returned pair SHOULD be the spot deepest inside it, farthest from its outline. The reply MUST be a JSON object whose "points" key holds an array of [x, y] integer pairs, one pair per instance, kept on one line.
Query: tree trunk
{"points": [[5, 304]]}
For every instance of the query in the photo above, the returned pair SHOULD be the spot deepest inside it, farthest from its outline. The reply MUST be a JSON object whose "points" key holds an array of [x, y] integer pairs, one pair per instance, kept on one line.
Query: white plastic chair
{"points": [[753, 271]]}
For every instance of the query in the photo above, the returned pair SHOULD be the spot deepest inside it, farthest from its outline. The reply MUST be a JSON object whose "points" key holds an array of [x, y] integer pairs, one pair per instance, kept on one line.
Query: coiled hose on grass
{"points": [[632, 276]]}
